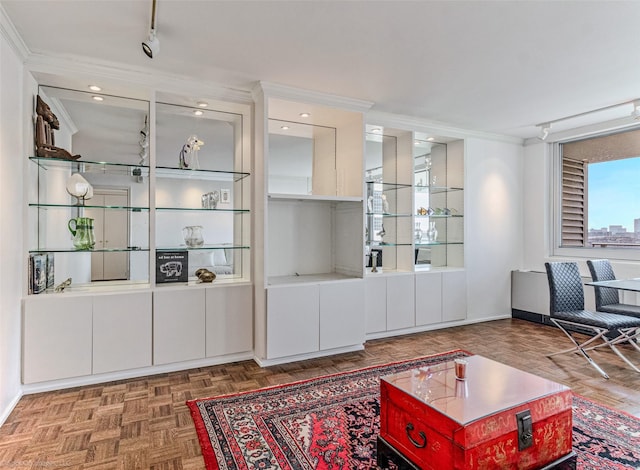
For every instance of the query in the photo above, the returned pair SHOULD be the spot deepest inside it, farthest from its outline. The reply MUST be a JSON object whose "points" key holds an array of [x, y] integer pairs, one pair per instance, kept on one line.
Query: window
{"points": [[600, 202]]}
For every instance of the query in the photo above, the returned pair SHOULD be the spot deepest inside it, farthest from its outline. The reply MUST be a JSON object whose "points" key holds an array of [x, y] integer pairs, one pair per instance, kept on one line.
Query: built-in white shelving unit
{"points": [[309, 181], [134, 305]]}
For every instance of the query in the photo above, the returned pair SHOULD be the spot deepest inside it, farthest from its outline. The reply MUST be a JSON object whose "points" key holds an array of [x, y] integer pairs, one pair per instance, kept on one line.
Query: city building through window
{"points": [[601, 191]]}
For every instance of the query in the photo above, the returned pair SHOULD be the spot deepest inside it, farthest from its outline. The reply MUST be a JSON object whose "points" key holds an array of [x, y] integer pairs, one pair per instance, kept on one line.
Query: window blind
{"points": [[574, 229]]}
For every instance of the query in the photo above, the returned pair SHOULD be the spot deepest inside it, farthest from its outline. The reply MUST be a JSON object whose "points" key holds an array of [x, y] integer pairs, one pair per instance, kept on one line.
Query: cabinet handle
{"points": [[421, 434]]}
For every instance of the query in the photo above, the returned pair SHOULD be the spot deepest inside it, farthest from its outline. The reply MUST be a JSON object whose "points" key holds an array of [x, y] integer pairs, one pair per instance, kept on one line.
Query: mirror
{"points": [[97, 128], [302, 159], [430, 203], [216, 131], [181, 196]]}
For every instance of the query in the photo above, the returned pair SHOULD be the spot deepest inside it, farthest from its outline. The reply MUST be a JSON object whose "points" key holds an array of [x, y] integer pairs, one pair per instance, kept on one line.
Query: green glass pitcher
{"points": [[82, 230]]}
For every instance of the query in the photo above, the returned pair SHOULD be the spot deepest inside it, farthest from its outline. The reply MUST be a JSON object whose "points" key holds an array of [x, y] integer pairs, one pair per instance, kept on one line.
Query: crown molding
{"points": [[10, 34], [68, 65], [415, 123], [273, 90]]}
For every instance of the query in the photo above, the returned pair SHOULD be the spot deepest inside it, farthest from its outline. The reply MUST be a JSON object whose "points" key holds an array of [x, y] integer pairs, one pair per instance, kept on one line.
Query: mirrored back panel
{"points": [[89, 190], [302, 158]]}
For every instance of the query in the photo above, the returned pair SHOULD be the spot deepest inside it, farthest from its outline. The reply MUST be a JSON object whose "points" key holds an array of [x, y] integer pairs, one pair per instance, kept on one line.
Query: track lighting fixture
{"points": [[635, 114], [151, 46], [544, 130], [546, 127]]}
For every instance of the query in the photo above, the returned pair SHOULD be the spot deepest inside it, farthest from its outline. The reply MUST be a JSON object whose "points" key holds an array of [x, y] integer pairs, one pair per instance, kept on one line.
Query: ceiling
{"points": [[500, 67]]}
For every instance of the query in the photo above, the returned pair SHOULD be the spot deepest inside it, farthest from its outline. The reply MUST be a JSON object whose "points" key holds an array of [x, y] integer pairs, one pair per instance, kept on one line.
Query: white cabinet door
{"points": [[342, 319], [121, 331], [454, 295], [178, 325], [375, 301], [57, 338], [400, 301], [229, 320], [293, 320], [428, 298]]}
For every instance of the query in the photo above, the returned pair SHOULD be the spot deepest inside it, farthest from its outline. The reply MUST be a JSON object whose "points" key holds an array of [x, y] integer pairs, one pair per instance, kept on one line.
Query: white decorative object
{"points": [[79, 187], [385, 204], [432, 233], [189, 152], [210, 200]]}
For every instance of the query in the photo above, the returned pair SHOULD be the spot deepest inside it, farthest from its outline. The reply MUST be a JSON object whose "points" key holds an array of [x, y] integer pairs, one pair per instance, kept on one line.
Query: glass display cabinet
{"points": [[89, 194], [388, 204], [128, 192], [201, 202], [438, 206]]}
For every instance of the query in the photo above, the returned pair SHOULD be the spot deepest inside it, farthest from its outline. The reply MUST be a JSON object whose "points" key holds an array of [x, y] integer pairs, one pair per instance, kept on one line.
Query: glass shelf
{"points": [[419, 245], [195, 209], [88, 206], [376, 243], [436, 189], [202, 248], [386, 214], [73, 250], [438, 216], [389, 186], [171, 172], [89, 166]]}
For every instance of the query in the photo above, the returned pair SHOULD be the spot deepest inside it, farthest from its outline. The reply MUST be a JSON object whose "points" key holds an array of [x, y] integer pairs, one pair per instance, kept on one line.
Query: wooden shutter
{"points": [[574, 204]]}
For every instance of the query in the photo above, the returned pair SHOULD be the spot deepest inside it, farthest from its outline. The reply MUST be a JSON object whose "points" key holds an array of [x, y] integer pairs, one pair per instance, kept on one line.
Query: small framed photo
{"points": [[225, 196], [172, 266]]}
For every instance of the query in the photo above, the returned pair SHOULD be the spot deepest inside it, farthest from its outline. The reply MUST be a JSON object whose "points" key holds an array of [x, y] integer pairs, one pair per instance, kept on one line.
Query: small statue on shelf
{"points": [[385, 204], [189, 152], [204, 275], [46, 123], [62, 286]]}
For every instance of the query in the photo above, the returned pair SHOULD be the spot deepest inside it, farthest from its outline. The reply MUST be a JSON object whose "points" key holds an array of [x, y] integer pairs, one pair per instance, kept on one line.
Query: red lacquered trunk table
{"points": [[439, 422]]}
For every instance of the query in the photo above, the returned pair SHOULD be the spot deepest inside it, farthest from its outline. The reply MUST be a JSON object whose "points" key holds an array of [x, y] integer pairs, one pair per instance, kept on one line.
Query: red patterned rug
{"points": [[332, 422]]}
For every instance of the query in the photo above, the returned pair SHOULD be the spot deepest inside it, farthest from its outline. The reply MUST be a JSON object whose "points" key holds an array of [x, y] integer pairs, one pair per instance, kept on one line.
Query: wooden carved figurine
{"points": [[46, 122]]}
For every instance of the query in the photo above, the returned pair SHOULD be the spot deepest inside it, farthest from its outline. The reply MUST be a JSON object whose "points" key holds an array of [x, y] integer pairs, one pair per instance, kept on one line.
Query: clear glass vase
{"points": [[432, 233]]}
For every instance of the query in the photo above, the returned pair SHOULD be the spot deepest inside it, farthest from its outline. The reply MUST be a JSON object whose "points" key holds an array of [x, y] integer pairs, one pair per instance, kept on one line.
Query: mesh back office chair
{"points": [[566, 296], [607, 299]]}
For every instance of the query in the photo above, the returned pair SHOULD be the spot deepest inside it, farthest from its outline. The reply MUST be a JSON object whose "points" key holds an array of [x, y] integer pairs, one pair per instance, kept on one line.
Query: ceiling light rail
{"points": [[545, 127]]}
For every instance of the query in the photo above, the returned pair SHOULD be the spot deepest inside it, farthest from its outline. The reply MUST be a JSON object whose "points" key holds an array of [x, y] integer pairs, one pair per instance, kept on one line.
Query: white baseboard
{"points": [[303, 357], [133, 373], [435, 326], [7, 411]]}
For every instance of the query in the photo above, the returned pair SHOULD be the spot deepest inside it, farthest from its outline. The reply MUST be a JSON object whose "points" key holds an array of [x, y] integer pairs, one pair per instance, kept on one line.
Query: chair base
{"points": [[625, 335]]}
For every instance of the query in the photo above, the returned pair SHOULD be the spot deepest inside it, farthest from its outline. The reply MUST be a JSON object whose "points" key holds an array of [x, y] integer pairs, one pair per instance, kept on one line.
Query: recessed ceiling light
{"points": [[202, 104], [305, 115], [284, 128], [197, 112], [417, 142], [377, 130], [98, 98], [95, 88], [430, 139]]}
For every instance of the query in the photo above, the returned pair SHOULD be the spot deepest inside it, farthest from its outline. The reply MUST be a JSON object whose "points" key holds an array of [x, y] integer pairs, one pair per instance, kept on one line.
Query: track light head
{"points": [[544, 130], [151, 46]]}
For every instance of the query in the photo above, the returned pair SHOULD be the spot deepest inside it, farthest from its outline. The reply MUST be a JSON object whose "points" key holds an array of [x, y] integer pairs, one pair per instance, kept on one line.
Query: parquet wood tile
{"points": [[143, 424]]}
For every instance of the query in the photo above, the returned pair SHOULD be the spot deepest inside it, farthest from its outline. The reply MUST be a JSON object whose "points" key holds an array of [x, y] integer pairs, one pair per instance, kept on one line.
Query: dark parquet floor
{"points": [[144, 423]]}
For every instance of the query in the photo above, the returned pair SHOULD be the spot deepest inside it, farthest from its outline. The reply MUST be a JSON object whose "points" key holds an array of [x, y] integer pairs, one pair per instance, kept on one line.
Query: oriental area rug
{"points": [[332, 422]]}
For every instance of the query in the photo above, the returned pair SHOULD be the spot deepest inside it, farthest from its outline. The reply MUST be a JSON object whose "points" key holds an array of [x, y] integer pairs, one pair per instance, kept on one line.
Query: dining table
{"points": [[621, 284]]}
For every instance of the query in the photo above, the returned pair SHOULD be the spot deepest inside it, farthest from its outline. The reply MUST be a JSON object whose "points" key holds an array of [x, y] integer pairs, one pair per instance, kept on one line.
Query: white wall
{"points": [[537, 205], [493, 220], [12, 272]]}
